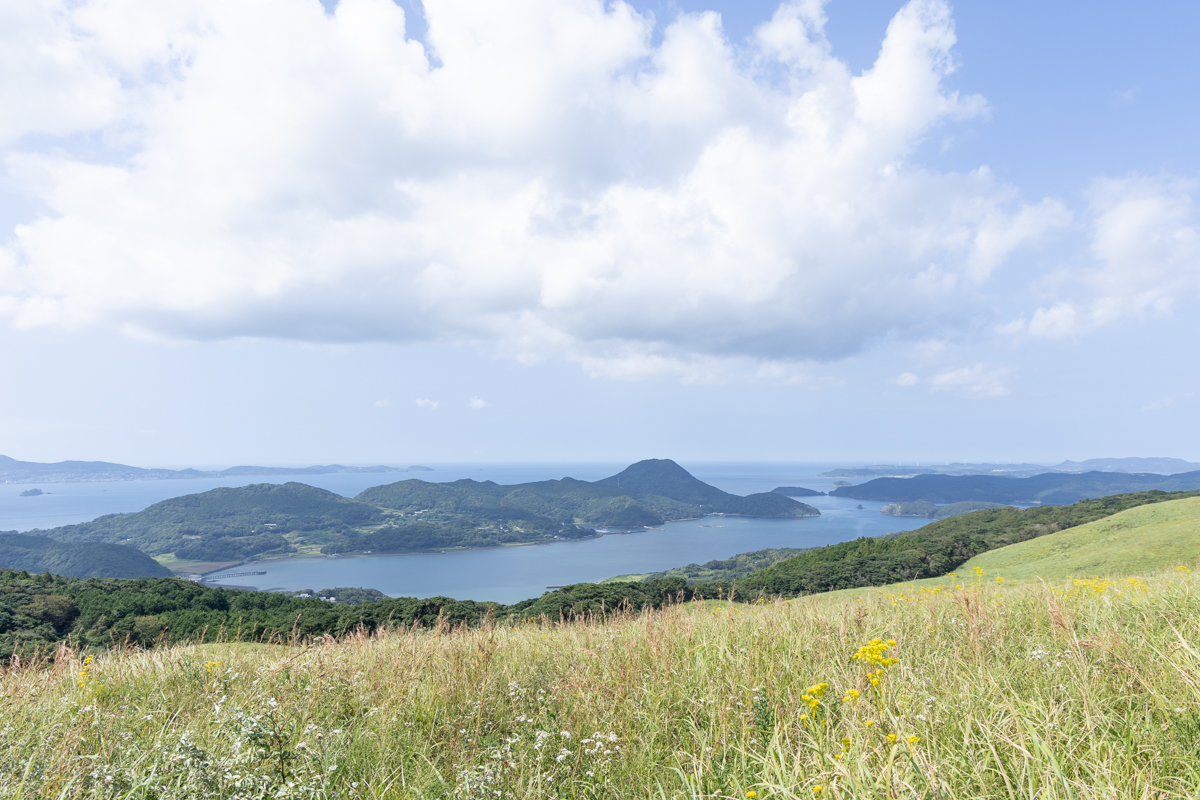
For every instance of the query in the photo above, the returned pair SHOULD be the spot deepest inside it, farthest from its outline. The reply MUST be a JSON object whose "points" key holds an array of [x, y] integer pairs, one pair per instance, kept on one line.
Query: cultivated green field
{"points": [[1078, 690], [1139, 541]]}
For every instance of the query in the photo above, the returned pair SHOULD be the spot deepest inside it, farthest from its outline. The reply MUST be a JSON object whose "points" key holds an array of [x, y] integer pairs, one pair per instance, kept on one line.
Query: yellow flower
{"points": [[846, 742], [914, 740], [891, 738], [752, 794], [818, 789], [870, 722]]}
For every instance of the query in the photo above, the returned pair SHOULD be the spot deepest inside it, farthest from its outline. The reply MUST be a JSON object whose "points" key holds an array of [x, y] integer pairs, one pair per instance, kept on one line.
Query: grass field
{"points": [[1139, 541], [1073, 691]]}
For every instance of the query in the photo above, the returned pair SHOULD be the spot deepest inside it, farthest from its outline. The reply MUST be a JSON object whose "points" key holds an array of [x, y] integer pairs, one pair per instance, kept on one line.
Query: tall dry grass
{"points": [[1047, 692]]}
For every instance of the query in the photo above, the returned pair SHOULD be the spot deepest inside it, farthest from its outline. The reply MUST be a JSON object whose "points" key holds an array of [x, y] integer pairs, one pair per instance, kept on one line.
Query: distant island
{"points": [[276, 520], [797, 491], [14, 471], [1051, 488], [1161, 466], [32, 493]]}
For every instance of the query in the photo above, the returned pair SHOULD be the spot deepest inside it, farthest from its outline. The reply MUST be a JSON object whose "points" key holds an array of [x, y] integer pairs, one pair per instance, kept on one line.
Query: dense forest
{"points": [[38, 611], [84, 560]]}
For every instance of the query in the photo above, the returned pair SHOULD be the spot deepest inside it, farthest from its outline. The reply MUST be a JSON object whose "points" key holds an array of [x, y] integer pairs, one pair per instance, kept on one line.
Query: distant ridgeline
{"points": [[231, 524], [1052, 488], [1163, 466], [14, 471]]}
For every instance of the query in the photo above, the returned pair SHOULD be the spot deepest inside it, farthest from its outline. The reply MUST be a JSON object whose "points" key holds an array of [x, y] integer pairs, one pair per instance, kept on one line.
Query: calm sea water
{"points": [[504, 574]]}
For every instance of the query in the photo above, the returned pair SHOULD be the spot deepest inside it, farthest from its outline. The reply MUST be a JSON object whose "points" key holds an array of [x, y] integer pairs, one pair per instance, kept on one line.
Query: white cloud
{"points": [[383, 404], [1145, 239], [975, 382], [907, 379], [555, 183], [426, 403], [477, 404]]}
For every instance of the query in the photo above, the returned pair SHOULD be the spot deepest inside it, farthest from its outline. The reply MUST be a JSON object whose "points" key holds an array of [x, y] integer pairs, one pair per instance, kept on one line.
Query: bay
{"points": [[507, 574], [511, 574]]}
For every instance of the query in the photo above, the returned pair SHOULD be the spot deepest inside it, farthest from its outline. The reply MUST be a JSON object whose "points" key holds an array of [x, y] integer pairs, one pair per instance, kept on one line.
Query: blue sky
{"points": [[574, 231]]}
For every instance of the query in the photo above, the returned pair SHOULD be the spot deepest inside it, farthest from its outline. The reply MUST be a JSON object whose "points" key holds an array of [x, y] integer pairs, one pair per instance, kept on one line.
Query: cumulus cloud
{"points": [[907, 379], [548, 177], [383, 403], [477, 404], [424, 402], [1145, 242]]}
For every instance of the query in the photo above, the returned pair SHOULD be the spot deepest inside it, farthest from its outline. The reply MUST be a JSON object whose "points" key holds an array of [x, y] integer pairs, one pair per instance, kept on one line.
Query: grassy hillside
{"points": [[1134, 542], [927, 552], [1014, 692]]}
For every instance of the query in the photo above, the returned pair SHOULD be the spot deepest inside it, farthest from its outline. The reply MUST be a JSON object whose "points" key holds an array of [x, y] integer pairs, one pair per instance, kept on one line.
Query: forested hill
{"points": [[1052, 488], [82, 560], [646, 493], [233, 523]]}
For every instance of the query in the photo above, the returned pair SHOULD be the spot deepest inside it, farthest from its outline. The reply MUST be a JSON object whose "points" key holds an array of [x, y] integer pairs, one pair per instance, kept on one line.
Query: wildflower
{"points": [[1183, 569], [817, 790], [853, 694], [873, 653], [751, 794], [914, 740], [870, 722], [891, 738], [846, 742]]}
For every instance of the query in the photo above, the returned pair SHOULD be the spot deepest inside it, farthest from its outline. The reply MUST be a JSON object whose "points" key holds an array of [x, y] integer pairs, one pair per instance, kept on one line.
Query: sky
{"points": [[369, 231]]}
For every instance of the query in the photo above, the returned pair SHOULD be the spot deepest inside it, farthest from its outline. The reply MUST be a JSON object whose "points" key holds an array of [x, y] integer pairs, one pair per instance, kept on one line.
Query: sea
{"points": [[501, 574]]}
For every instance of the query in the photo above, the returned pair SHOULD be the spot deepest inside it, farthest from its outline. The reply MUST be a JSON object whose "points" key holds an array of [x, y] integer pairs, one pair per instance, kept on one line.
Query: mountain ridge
{"points": [[15, 471]]}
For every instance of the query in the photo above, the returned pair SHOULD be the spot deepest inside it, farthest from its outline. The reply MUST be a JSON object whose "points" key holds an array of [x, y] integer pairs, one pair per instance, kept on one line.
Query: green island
{"points": [[228, 525]]}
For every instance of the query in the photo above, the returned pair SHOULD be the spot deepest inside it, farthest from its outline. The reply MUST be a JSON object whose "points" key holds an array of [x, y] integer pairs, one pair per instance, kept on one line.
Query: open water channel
{"points": [[505, 574]]}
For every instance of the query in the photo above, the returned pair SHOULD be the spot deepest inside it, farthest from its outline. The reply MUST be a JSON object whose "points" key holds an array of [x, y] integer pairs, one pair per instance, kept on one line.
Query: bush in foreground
{"points": [[1083, 690]]}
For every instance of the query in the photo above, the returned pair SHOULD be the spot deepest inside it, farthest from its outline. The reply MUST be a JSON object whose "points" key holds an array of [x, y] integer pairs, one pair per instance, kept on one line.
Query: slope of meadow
{"points": [[1086, 690], [1141, 540]]}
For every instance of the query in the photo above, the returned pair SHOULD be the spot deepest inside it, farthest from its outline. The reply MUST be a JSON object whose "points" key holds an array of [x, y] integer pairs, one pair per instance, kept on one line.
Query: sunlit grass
{"points": [[1071, 690]]}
